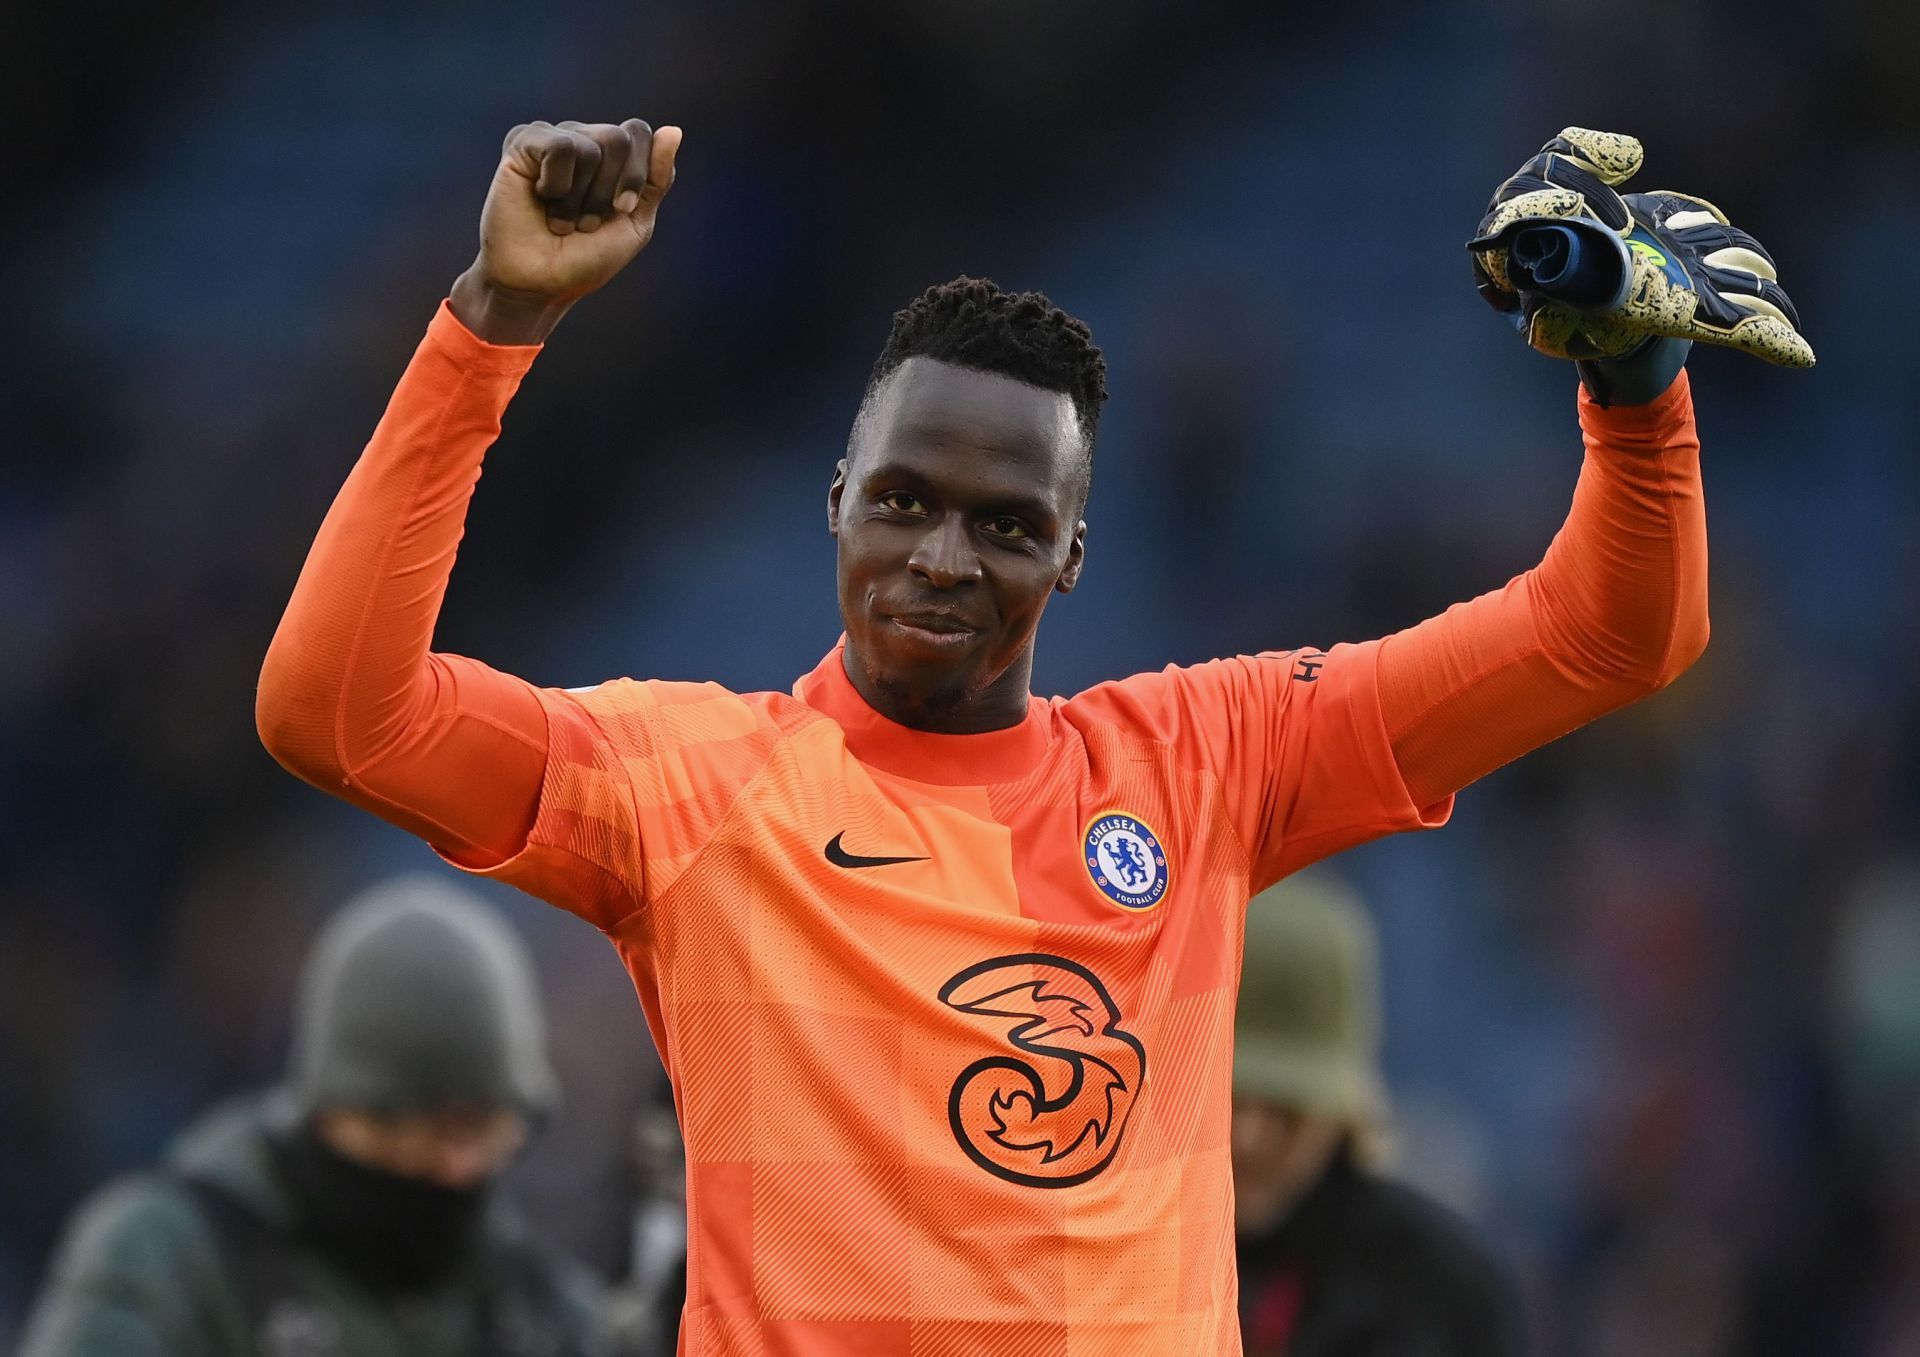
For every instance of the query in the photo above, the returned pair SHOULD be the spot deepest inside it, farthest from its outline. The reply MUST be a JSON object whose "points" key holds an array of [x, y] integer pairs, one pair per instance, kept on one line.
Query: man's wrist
{"points": [[502, 316], [1639, 378]]}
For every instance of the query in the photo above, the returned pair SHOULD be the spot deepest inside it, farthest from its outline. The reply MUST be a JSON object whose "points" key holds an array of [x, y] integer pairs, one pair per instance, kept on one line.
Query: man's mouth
{"points": [[941, 629]]}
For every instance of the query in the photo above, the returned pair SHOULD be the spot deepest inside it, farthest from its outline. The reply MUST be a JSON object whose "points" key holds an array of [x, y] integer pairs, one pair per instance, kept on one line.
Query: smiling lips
{"points": [[940, 628]]}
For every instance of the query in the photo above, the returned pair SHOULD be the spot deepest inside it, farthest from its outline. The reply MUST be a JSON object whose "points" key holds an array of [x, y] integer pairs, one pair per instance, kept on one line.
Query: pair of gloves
{"points": [[1622, 284]]}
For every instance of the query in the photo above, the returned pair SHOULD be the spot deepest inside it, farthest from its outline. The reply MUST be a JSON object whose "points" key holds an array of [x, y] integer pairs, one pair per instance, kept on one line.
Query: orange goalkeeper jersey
{"points": [[949, 1016]]}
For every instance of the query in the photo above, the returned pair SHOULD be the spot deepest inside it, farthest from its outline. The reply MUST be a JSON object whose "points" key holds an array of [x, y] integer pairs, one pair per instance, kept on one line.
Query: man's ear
{"points": [[1076, 558], [834, 492]]}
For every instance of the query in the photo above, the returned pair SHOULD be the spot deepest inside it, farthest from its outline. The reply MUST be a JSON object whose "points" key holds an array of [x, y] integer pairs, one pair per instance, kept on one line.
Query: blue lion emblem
{"points": [[1127, 861]]}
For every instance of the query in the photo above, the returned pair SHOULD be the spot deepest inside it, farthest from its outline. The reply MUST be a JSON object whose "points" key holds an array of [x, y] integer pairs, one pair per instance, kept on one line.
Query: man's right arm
{"points": [[352, 697]]}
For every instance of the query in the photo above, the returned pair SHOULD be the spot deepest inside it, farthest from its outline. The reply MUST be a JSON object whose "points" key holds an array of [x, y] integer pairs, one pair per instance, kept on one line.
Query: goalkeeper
{"points": [[943, 972]]}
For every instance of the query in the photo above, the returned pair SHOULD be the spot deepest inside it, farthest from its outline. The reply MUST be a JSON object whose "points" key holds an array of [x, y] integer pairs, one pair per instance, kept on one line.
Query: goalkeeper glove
{"points": [[1587, 273]]}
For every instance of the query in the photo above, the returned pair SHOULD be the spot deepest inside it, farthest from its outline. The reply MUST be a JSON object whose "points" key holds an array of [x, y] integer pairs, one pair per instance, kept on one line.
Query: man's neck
{"points": [[1001, 704]]}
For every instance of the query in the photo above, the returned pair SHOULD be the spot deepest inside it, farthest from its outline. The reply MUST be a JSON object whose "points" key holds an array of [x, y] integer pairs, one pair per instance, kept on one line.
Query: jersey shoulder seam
{"points": [[1172, 760], [784, 735]]}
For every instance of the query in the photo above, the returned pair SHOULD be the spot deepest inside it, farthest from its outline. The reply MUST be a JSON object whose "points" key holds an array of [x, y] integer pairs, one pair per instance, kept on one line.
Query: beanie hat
{"points": [[1307, 1032], [417, 997]]}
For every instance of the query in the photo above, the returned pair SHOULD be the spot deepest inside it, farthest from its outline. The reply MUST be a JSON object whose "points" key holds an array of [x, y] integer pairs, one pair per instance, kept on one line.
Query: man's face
{"points": [[1279, 1153], [457, 1148], [957, 514]]}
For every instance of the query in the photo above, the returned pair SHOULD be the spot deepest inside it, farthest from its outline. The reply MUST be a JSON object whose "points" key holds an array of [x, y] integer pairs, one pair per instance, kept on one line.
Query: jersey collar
{"points": [[945, 760]]}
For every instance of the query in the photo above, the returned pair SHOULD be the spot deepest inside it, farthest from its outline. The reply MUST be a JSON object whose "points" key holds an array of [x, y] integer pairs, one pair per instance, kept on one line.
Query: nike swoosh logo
{"points": [[840, 857]]}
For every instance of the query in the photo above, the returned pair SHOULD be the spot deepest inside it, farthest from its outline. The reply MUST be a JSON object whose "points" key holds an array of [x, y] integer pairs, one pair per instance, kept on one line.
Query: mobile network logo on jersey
{"points": [[1125, 860], [1050, 1107]]}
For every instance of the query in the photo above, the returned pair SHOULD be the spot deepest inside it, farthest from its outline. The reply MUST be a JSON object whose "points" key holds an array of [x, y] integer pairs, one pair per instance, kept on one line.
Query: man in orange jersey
{"points": [[943, 973]]}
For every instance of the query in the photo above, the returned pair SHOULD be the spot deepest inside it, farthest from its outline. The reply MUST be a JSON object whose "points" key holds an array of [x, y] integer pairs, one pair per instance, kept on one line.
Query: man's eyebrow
{"points": [[878, 468]]}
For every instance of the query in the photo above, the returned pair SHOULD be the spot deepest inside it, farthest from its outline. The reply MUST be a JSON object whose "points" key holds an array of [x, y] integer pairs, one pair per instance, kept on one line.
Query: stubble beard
{"points": [[923, 702]]}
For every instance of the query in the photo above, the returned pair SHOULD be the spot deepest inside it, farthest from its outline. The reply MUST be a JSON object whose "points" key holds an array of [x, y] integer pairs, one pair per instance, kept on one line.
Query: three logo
{"points": [[1052, 1114]]}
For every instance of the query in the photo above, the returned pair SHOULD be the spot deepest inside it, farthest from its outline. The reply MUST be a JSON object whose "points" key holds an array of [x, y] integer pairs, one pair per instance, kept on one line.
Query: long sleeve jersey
{"points": [[948, 1017]]}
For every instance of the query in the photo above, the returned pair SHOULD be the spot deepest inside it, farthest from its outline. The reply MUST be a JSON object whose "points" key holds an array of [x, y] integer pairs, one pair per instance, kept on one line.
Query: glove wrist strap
{"points": [[1635, 378]]}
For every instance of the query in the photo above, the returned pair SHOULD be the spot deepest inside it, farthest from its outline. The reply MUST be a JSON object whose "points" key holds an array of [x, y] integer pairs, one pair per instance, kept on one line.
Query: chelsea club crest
{"points": [[1125, 860]]}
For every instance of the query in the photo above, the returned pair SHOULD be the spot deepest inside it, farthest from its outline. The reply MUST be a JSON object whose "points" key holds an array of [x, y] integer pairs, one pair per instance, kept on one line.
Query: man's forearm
{"points": [[350, 697], [1616, 610]]}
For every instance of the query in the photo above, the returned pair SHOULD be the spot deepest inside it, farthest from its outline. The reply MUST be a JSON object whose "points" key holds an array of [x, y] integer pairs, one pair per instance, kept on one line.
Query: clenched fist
{"points": [[570, 204]]}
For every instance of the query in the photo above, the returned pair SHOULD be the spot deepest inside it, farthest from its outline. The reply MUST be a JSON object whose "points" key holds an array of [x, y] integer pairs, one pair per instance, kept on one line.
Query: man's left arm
{"points": [[1314, 752], [1615, 611], [1622, 284]]}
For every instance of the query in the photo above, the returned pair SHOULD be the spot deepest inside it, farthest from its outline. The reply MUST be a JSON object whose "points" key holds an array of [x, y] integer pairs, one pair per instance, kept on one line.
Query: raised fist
{"points": [[570, 204]]}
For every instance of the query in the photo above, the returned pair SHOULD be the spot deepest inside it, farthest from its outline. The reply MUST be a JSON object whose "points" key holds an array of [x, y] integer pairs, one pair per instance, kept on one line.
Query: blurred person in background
{"points": [[1335, 1260], [645, 1308], [350, 1211]]}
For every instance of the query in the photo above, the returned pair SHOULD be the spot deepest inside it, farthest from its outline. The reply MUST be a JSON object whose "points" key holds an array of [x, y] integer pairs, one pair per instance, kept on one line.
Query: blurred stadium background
{"points": [[1654, 998]]}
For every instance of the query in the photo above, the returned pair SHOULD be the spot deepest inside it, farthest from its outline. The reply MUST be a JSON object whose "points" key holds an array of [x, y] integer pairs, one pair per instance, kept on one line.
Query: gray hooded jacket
{"points": [[416, 996], [143, 1272]]}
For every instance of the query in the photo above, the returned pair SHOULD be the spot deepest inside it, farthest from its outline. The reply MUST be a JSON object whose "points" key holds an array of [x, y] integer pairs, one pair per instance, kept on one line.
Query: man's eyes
{"points": [[1000, 525]]}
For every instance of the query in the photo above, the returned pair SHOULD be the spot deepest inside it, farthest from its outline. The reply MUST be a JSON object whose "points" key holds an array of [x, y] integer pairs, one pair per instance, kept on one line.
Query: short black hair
{"points": [[972, 323]]}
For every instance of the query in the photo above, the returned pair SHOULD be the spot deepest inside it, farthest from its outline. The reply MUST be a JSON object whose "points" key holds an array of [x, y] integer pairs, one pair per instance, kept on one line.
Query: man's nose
{"points": [[462, 1163], [946, 556]]}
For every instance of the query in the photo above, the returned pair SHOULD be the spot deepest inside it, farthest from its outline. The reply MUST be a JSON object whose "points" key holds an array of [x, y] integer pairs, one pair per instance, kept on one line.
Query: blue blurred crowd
{"points": [[1653, 997]]}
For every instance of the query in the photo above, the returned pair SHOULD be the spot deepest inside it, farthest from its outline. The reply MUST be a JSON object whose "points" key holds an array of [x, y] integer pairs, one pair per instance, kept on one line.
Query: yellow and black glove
{"points": [[1587, 273]]}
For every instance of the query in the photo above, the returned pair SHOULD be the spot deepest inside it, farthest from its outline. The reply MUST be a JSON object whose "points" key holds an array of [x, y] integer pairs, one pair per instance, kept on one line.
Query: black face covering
{"points": [[394, 1233]]}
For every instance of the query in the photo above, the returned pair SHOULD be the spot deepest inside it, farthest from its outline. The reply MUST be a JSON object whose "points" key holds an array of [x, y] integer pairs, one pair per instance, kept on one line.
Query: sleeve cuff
{"points": [[1638, 379], [1670, 409], [469, 351]]}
